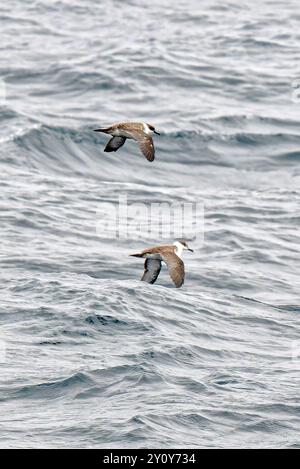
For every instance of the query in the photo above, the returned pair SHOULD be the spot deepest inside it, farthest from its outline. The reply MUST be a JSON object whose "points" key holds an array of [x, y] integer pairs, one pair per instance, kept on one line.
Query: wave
{"points": [[73, 152]]}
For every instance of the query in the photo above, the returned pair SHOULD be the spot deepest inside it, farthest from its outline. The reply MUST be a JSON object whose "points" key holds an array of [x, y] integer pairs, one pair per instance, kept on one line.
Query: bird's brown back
{"points": [[168, 248], [129, 126]]}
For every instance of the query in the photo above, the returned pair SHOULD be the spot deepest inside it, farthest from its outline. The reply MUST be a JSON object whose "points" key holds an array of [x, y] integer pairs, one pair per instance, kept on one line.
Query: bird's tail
{"points": [[136, 255], [102, 130]]}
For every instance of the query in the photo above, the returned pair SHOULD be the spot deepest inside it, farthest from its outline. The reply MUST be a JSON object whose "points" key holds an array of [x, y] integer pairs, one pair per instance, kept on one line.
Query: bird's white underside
{"points": [[121, 133], [179, 248], [154, 256], [147, 130]]}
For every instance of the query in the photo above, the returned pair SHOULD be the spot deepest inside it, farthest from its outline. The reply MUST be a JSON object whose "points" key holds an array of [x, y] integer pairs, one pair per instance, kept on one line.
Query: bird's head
{"points": [[181, 245], [152, 129]]}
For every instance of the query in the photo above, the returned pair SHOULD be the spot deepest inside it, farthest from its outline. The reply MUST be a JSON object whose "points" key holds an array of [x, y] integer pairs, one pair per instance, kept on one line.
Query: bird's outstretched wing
{"points": [[175, 268], [152, 268], [145, 143], [115, 143], [147, 147]]}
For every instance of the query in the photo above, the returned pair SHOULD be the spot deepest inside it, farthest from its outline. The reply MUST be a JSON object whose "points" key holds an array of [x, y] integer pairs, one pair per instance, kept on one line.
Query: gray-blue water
{"points": [[90, 356]]}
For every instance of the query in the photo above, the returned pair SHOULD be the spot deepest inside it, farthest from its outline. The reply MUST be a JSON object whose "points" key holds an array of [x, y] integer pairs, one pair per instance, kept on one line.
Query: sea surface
{"points": [[90, 356]]}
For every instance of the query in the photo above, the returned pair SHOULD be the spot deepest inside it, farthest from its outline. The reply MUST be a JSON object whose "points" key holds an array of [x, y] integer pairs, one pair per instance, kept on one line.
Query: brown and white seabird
{"points": [[138, 131], [171, 255]]}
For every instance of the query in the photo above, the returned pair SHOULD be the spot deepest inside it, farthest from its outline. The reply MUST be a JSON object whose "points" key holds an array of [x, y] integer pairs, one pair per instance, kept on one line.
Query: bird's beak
{"points": [[97, 130], [190, 250], [157, 133]]}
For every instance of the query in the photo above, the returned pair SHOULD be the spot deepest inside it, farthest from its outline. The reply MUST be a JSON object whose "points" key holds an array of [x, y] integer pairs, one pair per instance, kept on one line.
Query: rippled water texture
{"points": [[90, 356]]}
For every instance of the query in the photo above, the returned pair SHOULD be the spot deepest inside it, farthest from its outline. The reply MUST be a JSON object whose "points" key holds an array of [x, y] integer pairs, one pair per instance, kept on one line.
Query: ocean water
{"points": [[90, 356]]}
